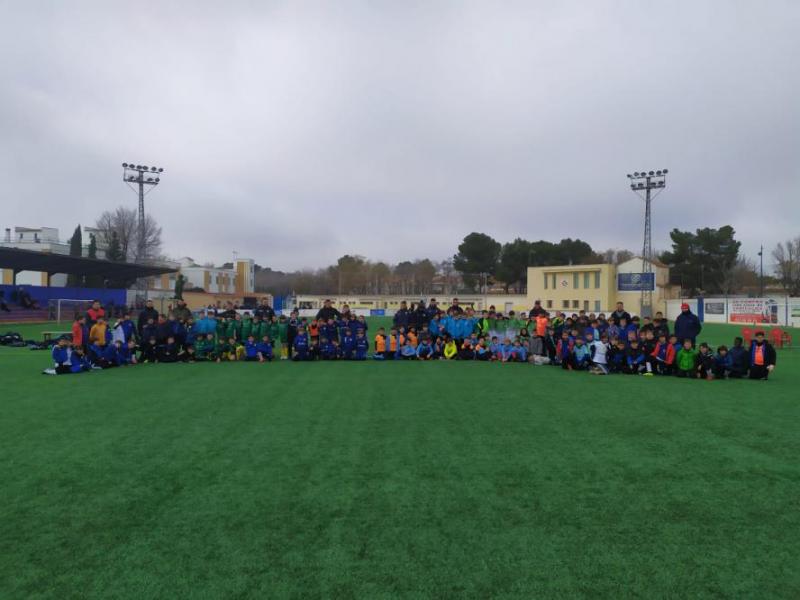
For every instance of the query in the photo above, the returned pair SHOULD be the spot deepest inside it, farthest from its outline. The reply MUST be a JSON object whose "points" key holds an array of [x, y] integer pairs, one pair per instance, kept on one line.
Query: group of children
{"points": [[600, 345]]}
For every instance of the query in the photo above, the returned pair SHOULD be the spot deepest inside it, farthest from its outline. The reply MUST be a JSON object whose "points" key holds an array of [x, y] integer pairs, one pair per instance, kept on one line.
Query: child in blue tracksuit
{"points": [[435, 327], [361, 344], [518, 353], [348, 344], [496, 349], [301, 345], [61, 354], [251, 349], [264, 349], [425, 350], [128, 328], [740, 359], [327, 349], [407, 351], [723, 363], [581, 355]]}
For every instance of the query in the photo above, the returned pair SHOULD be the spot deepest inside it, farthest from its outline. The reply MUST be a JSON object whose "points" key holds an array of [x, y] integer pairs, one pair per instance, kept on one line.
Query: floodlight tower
{"points": [[647, 181], [142, 176]]}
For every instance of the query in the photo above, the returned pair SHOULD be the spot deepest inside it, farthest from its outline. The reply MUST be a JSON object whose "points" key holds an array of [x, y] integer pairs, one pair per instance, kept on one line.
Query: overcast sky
{"points": [[296, 132]]}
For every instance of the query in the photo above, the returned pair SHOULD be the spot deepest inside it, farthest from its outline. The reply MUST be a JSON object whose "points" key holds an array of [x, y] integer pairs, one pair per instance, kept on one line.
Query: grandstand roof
{"points": [[48, 262]]}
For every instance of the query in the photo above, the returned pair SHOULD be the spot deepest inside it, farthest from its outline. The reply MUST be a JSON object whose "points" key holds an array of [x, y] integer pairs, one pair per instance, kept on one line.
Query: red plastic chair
{"points": [[778, 337], [747, 334]]}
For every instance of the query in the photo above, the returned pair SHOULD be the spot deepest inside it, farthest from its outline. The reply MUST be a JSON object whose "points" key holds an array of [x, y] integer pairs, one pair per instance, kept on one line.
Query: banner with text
{"points": [[753, 310]]}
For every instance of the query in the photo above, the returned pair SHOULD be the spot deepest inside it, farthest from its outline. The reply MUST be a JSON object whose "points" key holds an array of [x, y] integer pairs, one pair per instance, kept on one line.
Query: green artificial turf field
{"points": [[443, 480]]}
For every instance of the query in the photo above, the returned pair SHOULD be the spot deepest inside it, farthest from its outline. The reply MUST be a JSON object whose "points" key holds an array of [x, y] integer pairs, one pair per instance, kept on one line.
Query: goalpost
{"points": [[65, 309]]}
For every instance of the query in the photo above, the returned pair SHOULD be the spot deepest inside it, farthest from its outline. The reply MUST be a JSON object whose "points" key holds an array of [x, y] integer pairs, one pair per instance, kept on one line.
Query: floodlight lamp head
{"points": [[636, 174], [124, 165], [664, 171], [157, 179], [160, 170]]}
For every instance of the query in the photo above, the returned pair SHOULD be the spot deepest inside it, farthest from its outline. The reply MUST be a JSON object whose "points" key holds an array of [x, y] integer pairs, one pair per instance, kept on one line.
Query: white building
{"points": [[240, 279], [43, 239]]}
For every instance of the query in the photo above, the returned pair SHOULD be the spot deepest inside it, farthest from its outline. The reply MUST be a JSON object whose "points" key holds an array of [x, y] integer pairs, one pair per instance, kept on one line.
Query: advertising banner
{"points": [[715, 308], [636, 282], [753, 310]]}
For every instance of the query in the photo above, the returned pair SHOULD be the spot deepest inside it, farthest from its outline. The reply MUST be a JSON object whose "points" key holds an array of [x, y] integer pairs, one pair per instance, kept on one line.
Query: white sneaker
{"points": [[49, 372]]}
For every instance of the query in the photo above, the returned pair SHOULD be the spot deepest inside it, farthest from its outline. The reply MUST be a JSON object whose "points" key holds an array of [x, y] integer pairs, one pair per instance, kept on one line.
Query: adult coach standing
{"points": [[328, 312], [455, 309], [687, 325], [537, 310], [264, 310], [620, 313], [148, 312]]}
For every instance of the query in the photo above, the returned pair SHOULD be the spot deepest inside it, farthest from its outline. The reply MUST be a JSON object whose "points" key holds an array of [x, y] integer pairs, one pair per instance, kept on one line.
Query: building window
{"points": [[565, 304], [575, 280], [585, 305], [597, 306], [554, 280], [575, 304], [586, 280], [597, 280], [545, 280], [549, 304]]}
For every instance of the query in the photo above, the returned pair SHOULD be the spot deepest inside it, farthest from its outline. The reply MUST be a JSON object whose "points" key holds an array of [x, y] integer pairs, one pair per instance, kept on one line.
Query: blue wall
{"points": [[43, 294]]}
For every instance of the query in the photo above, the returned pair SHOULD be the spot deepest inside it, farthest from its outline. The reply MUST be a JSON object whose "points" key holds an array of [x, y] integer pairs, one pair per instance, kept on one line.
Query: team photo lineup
{"points": [[619, 343]]}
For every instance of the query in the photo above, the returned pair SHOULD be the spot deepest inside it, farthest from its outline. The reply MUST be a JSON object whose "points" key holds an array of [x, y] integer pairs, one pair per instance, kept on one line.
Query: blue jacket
{"points": [[251, 349], [301, 344], [740, 359], [111, 354], [348, 345], [79, 363], [424, 349], [60, 355], [362, 347], [723, 362], [265, 348], [408, 350], [582, 353], [687, 326], [401, 318], [519, 352], [128, 329]]}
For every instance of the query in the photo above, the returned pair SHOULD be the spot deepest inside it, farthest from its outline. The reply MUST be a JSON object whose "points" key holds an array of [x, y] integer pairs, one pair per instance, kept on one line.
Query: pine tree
{"points": [[94, 281], [75, 249], [114, 251]]}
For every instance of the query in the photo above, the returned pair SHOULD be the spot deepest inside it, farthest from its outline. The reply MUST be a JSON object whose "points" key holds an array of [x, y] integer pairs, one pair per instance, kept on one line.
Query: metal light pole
{"points": [[142, 176], [761, 275], [646, 182]]}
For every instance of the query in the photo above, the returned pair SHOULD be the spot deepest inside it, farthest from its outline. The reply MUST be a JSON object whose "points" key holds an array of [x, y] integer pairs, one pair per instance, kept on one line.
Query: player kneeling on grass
{"points": [[68, 361], [705, 362], [264, 348], [425, 350], [168, 353], [517, 353], [722, 363], [687, 360], [581, 355], [637, 362], [407, 351], [250, 349], [762, 357]]}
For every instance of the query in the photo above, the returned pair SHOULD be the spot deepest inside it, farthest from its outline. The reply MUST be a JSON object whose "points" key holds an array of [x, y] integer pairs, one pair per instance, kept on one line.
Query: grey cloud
{"points": [[297, 132]]}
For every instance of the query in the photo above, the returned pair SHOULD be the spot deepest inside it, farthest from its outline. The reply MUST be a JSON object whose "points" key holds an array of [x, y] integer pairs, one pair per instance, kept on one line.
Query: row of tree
{"points": [[706, 261]]}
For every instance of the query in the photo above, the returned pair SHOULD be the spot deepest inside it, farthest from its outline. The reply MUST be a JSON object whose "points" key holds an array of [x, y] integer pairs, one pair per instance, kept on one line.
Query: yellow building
{"points": [[596, 288]]}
